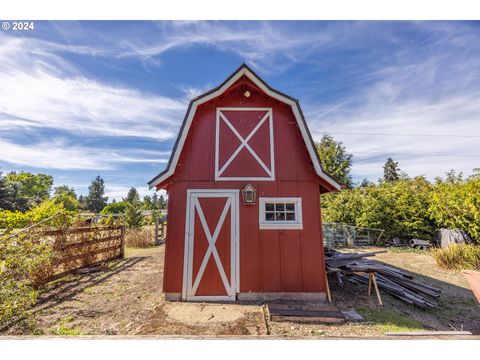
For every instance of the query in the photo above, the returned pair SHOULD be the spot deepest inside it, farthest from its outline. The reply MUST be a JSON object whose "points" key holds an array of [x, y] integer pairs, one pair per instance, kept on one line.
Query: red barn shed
{"points": [[244, 184]]}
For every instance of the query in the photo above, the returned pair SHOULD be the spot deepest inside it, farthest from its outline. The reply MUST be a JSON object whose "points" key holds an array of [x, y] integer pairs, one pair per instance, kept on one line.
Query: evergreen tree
{"points": [[391, 171], [7, 200], [155, 201], [147, 203], [133, 214], [82, 201], [96, 200], [335, 159], [366, 183], [162, 202], [132, 196]]}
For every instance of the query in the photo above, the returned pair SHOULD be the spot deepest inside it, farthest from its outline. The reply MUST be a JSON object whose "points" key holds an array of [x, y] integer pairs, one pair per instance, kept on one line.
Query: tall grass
{"points": [[458, 257], [141, 237]]}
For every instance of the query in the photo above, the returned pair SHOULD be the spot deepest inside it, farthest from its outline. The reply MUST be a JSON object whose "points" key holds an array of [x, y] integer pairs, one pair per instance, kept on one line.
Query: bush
{"points": [[456, 205], [399, 207], [458, 257], [140, 237], [24, 262], [115, 208], [15, 219]]}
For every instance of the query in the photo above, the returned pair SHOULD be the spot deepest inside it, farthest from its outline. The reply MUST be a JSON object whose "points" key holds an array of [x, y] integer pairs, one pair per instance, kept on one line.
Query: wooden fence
{"points": [[84, 246]]}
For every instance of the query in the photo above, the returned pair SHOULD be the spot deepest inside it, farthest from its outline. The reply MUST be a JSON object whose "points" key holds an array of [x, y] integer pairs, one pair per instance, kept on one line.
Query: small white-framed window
{"points": [[280, 213]]}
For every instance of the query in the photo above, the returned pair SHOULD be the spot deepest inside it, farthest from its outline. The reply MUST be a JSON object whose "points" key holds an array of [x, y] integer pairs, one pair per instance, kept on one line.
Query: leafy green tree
{"points": [[69, 202], [133, 214], [115, 208], [64, 189], [132, 195], [30, 188], [335, 159], [391, 171], [96, 200]]}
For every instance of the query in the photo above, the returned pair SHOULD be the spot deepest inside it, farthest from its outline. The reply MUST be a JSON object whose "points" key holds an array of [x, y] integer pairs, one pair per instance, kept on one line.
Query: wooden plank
{"points": [[430, 333], [304, 307], [307, 320], [81, 230], [303, 313], [87, 243], [83, 256]]}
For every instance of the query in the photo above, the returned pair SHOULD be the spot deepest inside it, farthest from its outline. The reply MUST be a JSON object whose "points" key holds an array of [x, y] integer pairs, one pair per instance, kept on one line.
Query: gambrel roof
{"points": [[244, 70]]}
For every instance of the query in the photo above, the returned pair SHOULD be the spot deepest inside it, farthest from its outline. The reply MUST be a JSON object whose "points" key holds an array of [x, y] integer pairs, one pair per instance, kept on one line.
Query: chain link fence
{"points": [[336, 235]]}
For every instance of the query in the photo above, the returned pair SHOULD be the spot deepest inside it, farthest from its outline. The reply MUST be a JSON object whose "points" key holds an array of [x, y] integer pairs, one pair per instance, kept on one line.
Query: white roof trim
{"points": [[274, 94]]}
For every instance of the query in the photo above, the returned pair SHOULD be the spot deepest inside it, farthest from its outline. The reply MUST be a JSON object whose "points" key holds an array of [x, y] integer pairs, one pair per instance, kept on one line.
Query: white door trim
{"points": [[232, 285]]}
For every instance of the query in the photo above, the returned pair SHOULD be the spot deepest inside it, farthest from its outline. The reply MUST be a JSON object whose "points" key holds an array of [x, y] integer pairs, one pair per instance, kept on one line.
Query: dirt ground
{"points": [[126, 299]]}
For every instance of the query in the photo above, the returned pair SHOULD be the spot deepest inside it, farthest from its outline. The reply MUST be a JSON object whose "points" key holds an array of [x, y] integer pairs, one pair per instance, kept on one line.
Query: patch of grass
{"points": [[89, 290], [64, 329], [458, 257], [407, 249], [389, 320]]}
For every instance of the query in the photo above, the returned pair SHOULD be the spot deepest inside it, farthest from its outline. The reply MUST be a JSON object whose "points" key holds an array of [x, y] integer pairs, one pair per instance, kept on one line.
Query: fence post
{"points": [[122, 242], [156, 231]]}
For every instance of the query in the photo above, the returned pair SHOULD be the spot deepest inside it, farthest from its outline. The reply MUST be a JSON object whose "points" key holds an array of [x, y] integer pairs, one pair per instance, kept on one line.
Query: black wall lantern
{"points": [[249, 194]]}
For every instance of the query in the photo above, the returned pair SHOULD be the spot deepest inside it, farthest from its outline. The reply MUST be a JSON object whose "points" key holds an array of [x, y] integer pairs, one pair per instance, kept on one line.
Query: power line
{"points": [[414, 154], [395, 134]]}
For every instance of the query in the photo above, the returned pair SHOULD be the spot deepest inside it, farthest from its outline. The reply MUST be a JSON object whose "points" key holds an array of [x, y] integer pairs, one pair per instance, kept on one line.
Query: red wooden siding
{"points": [[270, 260]]}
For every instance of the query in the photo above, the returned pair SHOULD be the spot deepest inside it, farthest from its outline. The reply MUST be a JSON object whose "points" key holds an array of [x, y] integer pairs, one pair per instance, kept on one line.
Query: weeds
{"points": [[390, 320], [406, 249], [65, 329], [458, 257], [141, 238]]}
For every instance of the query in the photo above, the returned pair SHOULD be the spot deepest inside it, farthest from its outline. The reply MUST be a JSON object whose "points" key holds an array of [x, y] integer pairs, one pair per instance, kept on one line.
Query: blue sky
{"points": [[80, 99]]}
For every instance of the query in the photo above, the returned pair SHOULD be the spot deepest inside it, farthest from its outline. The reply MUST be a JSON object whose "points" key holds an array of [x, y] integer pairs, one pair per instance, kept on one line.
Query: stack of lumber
{"points": [[354, 268]]}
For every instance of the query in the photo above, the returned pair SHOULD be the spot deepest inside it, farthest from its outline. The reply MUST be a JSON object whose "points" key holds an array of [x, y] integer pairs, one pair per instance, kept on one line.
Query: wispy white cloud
{"points": [[39, 89], [59, 154], [423, 95]]}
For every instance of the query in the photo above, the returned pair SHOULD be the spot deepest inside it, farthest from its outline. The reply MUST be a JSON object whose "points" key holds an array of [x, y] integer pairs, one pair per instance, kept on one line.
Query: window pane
{"points": [[290, 216], [280, 207], [280, 216], [269, 207], [290, 206], [270, 216]]}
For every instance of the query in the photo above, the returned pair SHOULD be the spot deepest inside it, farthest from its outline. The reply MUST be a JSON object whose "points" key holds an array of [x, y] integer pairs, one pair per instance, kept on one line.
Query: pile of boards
{"points": [[354, 268]]}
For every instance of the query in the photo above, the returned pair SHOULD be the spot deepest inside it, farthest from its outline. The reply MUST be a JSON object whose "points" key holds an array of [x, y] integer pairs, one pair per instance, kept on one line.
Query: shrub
{"points": [[456, 205], [24, 262], [399, 207], [115, 208], [458, 257], [140, 237], [16, 219]]}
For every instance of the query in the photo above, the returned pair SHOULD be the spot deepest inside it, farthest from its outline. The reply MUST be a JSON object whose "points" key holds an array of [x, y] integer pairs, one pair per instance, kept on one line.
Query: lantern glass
{"points": [[249, 194]]}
